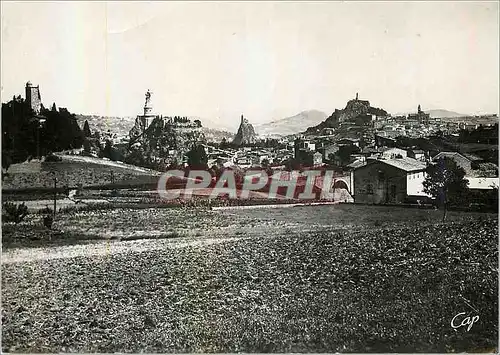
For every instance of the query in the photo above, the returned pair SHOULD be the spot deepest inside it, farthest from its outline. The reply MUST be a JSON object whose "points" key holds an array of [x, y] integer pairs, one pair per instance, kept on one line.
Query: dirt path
{"points": [[103, 249]]}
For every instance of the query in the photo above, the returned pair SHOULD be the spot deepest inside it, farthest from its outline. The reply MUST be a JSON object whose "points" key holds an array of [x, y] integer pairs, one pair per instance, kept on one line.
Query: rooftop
{"points": [[468, 156], [405, 164], [356, 164]]}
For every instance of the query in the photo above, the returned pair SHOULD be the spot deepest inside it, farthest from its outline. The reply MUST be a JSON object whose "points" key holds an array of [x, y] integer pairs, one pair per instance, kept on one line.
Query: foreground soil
{"points": [[373, 289]]}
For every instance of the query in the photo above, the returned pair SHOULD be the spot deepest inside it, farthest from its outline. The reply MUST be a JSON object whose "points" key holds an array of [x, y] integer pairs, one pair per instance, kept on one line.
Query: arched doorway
{"points": [[340, 190], [340, 184]]}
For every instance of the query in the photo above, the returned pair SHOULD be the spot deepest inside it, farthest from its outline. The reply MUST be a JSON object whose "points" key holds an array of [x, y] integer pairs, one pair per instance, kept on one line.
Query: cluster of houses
{"points": [[395, 175], [382, 174], [247, 157], [416, 125], [401, 126]]}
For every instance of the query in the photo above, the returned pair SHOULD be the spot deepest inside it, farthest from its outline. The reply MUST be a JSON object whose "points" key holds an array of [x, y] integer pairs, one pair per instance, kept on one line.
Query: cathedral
{"points": [[420, 116]]}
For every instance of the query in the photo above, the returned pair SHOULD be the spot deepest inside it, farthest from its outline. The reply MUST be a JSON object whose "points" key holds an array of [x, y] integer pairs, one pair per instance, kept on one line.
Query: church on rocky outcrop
{"points": [[246, 133]]}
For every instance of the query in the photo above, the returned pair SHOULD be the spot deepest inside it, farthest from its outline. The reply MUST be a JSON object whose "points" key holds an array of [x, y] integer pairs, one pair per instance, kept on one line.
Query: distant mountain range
{"points": [[440, 113], [437, 113], [290, 125]]}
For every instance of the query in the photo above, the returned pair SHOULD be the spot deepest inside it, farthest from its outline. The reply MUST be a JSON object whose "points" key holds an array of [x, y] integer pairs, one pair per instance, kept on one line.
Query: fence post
{"points": [[55, 195]]}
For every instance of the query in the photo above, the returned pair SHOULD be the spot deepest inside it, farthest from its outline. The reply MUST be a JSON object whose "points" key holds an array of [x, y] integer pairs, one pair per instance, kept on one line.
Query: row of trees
{"points": [[26, 135], [262, 143]]}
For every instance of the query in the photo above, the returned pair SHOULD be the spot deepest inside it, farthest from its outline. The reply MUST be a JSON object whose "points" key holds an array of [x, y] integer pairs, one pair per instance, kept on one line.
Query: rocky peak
{"points": [[358, 111], [354, 108], [246, 133]]}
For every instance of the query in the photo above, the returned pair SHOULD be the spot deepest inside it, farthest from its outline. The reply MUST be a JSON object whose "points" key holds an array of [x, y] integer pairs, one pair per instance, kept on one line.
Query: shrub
{"points": [[53, 158], [47, 221], [45, 210], [14, 213]]}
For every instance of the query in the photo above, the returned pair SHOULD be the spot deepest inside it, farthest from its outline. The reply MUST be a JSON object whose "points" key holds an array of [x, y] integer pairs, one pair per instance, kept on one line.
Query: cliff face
{"points": [[246, 133], [353, 109], [358, 111], [138, 128]]}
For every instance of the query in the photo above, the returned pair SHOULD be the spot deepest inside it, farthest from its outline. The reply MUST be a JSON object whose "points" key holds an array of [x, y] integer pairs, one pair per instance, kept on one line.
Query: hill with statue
{"points": [[357, 111]]}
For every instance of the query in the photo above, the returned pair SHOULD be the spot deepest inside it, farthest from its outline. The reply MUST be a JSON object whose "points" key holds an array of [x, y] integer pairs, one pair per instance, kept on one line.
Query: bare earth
{"points": [[303, 279]]}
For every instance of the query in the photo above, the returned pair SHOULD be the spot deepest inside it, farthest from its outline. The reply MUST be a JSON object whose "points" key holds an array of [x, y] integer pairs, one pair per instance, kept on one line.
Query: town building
{"points": [[317, 159], [469, 163], [393, 153], [304, 150], [327, 150], [417, 154], [389, 181], [420, 116], [480, 175]]}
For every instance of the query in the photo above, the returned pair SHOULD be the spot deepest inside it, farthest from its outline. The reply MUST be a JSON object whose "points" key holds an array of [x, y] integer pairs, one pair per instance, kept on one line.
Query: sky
{"points": [[266, 60]]}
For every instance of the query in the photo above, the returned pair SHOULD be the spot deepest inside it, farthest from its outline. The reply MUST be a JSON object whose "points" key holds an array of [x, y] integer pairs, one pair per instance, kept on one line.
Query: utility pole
{"points": [[55, 195]]}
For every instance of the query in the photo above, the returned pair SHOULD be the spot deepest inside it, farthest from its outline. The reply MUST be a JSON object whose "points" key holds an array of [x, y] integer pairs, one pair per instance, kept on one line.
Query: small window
{"points": [[369, 189]]}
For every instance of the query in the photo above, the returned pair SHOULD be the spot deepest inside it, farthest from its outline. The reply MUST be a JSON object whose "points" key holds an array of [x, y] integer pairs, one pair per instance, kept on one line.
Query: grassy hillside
{"points": [[116, 125], [74, 171]]}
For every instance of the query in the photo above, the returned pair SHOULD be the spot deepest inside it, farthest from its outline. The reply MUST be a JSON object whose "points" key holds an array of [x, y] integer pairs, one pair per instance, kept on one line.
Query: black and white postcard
{"points": [[249, 176]]}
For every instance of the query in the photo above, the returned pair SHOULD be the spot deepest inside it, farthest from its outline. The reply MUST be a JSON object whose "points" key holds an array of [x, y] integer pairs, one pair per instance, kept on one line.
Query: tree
{"points": [[445, 182], [110, 152], [14, 213], [344, 153], [223, 143], [86, 129], [197, 158]]}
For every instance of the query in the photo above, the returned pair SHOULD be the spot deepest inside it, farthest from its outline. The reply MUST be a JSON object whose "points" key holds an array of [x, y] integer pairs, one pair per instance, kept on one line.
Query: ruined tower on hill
{"points": [[33, 97]]}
